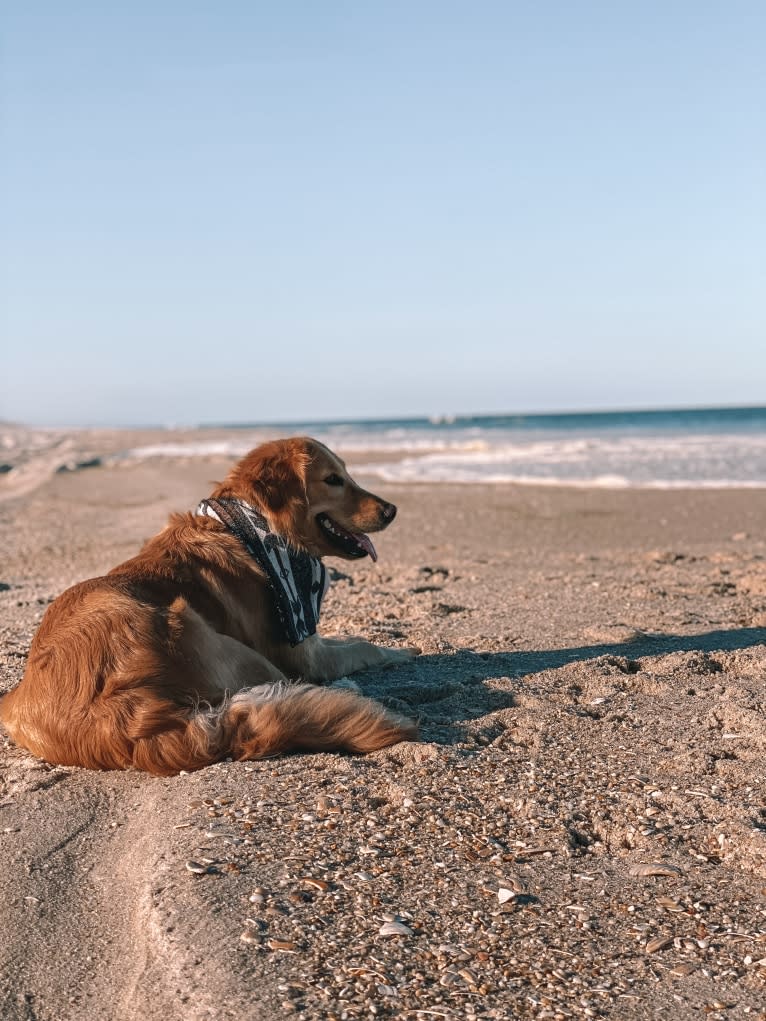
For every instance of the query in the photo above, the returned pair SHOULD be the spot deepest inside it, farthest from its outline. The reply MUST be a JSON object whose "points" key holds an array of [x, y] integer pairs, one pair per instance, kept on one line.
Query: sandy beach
{"points": [[581, 831]]}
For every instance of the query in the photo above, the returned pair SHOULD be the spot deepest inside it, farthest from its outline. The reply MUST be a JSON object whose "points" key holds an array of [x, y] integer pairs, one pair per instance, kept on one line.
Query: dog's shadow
{"points": [[448, 691]]}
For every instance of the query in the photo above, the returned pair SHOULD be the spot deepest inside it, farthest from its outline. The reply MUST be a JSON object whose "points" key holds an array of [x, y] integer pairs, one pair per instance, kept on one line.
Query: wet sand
{"points": [[591, 698]]}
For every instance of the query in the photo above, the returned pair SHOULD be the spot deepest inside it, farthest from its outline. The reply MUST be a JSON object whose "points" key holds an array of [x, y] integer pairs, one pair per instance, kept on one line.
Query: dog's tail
{"points": [[263, 721]]}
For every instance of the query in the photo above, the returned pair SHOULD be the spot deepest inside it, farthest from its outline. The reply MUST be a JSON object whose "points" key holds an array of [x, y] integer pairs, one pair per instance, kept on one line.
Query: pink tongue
{"points": [[366, 543]]}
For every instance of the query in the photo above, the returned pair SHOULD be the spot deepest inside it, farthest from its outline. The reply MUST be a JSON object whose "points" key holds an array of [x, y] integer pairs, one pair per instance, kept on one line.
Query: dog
{"points": [[202, 648]]}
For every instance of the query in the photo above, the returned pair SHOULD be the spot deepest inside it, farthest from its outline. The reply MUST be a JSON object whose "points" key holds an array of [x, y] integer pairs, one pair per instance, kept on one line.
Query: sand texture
{"points": [[580, 833]]}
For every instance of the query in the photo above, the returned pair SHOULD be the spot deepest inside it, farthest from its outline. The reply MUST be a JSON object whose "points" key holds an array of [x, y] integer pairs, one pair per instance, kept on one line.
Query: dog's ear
{"points": [[272, 478]]}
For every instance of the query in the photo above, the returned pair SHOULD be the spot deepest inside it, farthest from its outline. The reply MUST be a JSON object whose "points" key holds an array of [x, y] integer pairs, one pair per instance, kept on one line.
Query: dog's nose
{"points": [[388, 512]]}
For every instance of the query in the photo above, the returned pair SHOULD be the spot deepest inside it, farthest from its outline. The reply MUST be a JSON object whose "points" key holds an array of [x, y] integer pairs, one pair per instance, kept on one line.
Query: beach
{"points": [[580, 832]]}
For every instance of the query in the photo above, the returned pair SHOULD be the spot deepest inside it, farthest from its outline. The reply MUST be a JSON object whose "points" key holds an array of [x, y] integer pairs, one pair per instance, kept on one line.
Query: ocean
{"points": [[708, 447], [687, 448]]}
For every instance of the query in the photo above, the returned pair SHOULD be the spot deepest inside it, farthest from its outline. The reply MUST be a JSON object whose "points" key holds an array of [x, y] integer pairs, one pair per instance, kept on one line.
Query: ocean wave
{"points": [[356, 444], [660, 462], [399, 453], [393, 474], [212, 448]]}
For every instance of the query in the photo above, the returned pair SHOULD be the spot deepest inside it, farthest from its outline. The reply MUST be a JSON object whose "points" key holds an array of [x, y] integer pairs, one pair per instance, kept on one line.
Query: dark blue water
{"points": [[682, 419]]}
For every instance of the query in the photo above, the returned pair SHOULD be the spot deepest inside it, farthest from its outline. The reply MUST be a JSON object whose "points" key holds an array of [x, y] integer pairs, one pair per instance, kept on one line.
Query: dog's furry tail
{"points": [[268, 720]]}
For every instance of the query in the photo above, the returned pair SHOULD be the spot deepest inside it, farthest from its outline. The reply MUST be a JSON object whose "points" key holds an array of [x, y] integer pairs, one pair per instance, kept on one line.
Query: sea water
{"points": [[715, 447]]}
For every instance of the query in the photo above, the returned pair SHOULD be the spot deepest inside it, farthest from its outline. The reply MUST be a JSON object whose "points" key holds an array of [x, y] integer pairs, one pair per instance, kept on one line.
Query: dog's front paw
{"points": [[398, 657]]}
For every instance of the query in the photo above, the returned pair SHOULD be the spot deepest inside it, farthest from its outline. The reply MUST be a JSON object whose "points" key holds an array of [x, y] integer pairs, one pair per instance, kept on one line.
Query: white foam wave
{"points": [[655, 460], [709, 461], [238, 448], [217, 448], [664, 461]]}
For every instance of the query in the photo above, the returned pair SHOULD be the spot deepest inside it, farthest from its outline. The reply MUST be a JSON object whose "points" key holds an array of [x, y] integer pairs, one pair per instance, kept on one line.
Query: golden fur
{"points": [[173, 660]]}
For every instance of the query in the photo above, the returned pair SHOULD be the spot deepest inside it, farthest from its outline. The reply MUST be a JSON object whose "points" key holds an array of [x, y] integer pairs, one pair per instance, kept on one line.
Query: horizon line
{"points": [[446, 417], [438, 418]]}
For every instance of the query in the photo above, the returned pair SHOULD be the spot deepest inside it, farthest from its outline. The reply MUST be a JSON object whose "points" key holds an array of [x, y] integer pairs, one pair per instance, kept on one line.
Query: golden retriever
{"points": [[178, 658]]}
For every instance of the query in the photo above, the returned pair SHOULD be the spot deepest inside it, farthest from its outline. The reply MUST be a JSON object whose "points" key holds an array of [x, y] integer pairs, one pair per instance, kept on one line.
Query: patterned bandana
{"points": [[298, 580]]}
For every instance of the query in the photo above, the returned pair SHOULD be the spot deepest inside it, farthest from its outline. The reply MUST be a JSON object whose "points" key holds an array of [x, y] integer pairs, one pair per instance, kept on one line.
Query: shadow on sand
{"points": [[419, 688]]}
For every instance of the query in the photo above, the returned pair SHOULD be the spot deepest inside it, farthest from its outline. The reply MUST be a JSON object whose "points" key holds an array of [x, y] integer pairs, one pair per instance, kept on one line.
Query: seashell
{"points": [[683, 969], [285, 945], [250, 936], [318, 884], [658, 943], [197, 868], [392, 928], [448, 948], [669, 904], [504, 895], [656, 868]]}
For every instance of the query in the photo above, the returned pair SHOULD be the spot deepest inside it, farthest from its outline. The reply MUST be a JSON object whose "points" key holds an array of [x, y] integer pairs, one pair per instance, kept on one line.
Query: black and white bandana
{"points": [[298, 580]]}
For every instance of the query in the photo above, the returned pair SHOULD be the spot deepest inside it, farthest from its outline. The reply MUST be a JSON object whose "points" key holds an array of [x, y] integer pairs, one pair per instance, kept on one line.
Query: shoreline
{"points": [[28, 457]]}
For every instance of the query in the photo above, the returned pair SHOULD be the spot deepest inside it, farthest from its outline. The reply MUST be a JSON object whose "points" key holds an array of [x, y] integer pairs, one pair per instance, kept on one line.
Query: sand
{"points": [[591, 698]]}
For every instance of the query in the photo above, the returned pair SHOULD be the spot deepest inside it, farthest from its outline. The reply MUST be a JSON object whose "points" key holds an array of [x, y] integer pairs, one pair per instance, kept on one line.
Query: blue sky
{"points": [[263, 211]]}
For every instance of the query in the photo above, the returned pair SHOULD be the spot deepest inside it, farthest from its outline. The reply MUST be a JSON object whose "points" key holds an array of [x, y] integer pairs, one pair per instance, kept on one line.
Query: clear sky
{"points": [[260, 211]]}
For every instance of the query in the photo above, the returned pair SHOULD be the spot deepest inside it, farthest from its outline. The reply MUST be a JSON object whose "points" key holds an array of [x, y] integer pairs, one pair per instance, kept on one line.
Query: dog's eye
{"points": [[333, 480]]}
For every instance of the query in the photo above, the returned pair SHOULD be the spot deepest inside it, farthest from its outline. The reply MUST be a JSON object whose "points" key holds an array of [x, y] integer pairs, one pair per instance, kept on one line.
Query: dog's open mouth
{"points": [[353, 544]]}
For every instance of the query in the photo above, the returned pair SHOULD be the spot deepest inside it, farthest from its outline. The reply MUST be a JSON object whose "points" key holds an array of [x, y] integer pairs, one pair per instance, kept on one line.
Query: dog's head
{"points": [[308, 497]]}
